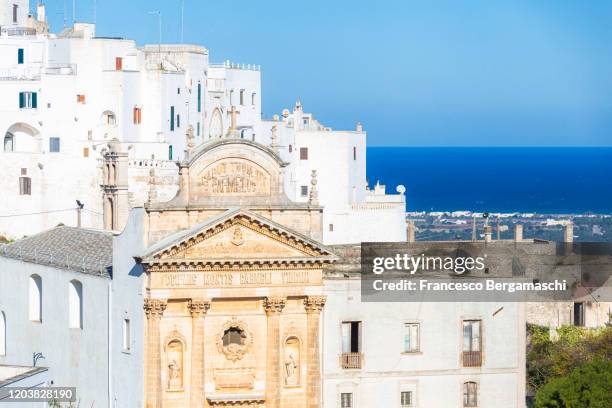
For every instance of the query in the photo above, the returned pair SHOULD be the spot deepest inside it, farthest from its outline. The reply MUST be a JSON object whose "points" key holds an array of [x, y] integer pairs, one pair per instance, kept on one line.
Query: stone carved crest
{"points": [[234, 177], [237, 238], [235, 340]]}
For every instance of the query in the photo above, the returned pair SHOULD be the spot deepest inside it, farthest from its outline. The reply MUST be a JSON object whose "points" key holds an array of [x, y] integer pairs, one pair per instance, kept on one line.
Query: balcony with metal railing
{"points": [[351, 360], [472, 358]]}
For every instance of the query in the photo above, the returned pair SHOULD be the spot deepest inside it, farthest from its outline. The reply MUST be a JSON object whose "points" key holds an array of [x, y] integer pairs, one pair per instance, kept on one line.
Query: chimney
{"points": [[359, 127], [518, 232], [410, 230], [568, 232], [41, 14], [488, 233]]}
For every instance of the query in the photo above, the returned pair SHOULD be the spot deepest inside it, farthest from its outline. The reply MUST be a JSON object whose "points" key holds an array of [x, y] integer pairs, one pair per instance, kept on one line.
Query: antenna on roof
{"points": [[182, 20], [65, 13]]}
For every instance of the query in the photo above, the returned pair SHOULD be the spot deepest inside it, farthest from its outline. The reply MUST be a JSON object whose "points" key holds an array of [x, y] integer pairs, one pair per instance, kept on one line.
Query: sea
{"points": [[542, 180]]}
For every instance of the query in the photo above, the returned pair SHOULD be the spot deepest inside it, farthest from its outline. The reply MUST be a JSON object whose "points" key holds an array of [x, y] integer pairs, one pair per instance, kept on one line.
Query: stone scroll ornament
{"points": [[232, 349]]}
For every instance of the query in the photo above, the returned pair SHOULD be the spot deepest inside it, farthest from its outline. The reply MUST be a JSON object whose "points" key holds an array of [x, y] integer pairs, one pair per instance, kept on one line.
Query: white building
{"points": [[69, 94]]}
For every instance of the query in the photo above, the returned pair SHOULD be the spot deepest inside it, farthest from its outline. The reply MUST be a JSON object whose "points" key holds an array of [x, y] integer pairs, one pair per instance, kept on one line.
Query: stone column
{"points": [[198, 309], [273, 307], [154, 309], [313, 306]]}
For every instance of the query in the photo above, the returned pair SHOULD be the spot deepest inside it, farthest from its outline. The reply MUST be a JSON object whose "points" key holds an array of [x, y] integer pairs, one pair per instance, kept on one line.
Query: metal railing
{"points": [[472, 358], [351, 360]]}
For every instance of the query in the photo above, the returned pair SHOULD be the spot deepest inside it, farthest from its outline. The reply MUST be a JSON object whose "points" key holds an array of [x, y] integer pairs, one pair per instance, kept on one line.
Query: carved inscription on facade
{"points": [[228, 279], [234, 177]]}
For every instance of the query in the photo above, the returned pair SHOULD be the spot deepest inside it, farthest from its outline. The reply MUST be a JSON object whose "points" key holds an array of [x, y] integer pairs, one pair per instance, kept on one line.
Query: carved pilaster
{"points": [[154, 309], [273, 307], [313, 305], [198, 309]]}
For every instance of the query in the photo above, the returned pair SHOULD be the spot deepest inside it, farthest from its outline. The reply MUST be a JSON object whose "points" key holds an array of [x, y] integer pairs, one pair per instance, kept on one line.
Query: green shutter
{"points": [[199, 97], [172, 118], [34, 100], [170, 152], [20, 56], [21, 100]]}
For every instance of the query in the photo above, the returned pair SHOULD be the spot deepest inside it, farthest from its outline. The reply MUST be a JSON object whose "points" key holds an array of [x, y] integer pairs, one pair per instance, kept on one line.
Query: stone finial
{"points": [[518, 232], [314, 304], [314, 194], [274, 305], [189, 135], [152, 190], [359, 127], [274, 138], [154, 308]]}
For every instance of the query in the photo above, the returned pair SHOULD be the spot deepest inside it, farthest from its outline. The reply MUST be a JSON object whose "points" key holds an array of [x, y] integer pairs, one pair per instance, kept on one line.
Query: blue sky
{"points": [[416, 73]]}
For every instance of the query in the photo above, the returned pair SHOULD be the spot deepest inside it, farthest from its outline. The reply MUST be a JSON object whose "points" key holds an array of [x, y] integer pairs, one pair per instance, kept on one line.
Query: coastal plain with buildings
{"points": [[167, 246]]}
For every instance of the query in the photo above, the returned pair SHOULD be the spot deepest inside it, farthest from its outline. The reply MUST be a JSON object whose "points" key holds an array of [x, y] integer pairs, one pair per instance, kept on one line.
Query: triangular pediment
{"points": [[237, 236]]}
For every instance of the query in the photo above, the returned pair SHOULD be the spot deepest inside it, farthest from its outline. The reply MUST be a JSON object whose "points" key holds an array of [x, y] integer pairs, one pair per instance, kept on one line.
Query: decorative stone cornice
{"points": [[274, 305], [154, 308], [198, 307], [314, 304]]}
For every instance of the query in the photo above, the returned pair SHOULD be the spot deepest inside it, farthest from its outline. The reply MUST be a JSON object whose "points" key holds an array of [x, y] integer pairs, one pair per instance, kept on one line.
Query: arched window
{"points": [[9, 142], [470, 394], [109, 118], [109, 214], [2, 334], [21, 137], [35, 298], [75, 304], [216, 125]]}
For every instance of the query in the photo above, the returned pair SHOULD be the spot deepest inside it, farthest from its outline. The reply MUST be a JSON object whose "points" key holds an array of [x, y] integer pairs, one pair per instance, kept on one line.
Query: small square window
{"points": [[346, 400], [54, 144], [86, 152], [331, 227], [304, 191], [406, 399], [411, 337], [303, 153], [25, 186], [126, 335]]}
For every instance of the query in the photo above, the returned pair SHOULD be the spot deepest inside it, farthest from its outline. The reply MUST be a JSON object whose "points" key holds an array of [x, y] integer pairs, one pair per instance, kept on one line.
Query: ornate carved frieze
{"points": [[314, 304], [237, 237], [274, 305], [154, 308], [234, 177], [198, 307]]}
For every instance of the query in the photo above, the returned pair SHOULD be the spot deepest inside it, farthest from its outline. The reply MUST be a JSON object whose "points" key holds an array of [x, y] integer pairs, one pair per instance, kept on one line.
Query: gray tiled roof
{"points": [[76, 249]]}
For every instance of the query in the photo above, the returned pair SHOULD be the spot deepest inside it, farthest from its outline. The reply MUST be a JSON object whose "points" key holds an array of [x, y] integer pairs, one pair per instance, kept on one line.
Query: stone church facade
{"points": [[233, 286]]}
